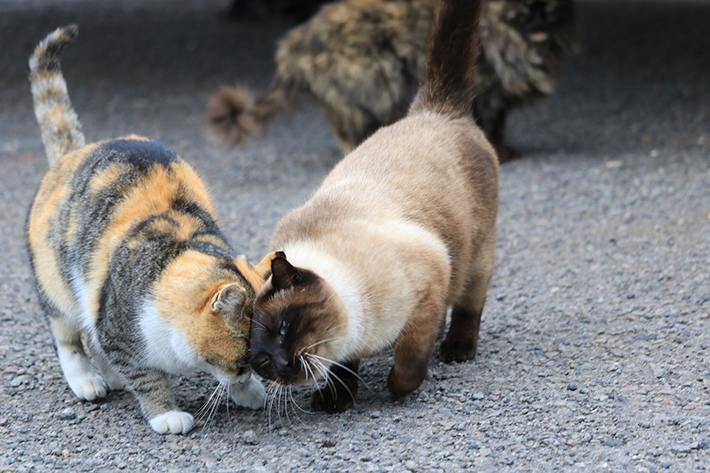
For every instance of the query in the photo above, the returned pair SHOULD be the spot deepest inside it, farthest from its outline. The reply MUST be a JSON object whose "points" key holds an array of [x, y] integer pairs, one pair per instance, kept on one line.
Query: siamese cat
{"points": [[127, 254], [403, 228]]}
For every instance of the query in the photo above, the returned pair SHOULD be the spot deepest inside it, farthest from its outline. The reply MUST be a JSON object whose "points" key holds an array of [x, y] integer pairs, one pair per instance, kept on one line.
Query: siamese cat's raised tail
{"points": [[400, 230], [449, 82]]}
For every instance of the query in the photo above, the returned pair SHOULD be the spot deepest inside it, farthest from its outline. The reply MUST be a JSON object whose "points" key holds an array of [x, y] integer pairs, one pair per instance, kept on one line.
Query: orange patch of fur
{"points": [[52, 192]]}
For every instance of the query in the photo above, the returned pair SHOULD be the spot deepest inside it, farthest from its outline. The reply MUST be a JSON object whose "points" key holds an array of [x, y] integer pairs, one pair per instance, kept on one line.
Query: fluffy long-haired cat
{"points": [[400, 230], [125, 250], [362, 60]]}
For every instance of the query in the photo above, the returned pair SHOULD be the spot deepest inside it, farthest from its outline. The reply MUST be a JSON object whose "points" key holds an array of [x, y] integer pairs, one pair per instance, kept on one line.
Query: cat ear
{"points": [[230, 300], [263, 269], [283, 274]]}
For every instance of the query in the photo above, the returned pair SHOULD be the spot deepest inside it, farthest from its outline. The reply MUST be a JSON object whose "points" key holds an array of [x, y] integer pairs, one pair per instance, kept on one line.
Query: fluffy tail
{"points": [[61, 130], [449, 79], [233, 116]]}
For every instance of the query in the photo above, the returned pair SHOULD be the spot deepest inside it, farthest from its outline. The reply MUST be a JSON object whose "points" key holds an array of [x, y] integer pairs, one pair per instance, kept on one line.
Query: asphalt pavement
{"points": [[594, 348]]}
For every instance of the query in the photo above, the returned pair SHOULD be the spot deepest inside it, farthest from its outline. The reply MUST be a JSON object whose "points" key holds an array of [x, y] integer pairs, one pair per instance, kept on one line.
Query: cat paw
{"points": [[457, 350], [173, 422], [88, 387], [248, 394], [330, 402]]}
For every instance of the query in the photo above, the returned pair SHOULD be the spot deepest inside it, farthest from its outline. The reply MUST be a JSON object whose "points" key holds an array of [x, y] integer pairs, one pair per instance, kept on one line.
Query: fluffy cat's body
{"points": [[362, 60], [400, 230], [126, 252]]}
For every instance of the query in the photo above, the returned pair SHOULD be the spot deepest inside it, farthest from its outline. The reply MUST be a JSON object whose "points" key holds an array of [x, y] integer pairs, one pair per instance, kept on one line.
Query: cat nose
{"points": [[261, 361]]}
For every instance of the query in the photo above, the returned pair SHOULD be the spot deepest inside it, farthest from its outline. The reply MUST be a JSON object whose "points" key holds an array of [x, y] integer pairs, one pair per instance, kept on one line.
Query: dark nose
{"points": [[261, 362]]}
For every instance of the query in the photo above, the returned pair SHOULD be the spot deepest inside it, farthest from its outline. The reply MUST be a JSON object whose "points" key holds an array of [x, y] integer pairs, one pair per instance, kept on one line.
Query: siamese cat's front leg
{"points": [[338, 395], [416, 344]]}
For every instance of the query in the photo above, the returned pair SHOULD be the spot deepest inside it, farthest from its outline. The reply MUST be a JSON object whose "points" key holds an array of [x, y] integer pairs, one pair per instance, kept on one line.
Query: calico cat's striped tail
{"points": [[450, 77], [61, 130]]}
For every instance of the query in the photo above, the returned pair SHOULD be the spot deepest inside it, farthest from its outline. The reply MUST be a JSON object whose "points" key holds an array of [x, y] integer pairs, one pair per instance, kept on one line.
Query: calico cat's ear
{"points": [[229, 301], [283, 274], [263, 269]]}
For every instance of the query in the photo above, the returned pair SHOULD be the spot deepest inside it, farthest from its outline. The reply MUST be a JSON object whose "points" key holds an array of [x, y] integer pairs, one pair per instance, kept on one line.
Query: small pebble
{"points": [[571, 387], [375, 414], [680, 449], [329, 442], [250, 438], [67, 414], [409, 465]]}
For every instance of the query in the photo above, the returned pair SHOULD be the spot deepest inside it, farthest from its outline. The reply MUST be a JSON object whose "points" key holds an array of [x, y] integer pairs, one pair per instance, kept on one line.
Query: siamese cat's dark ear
{"points": [[283, 273], [229, 301]]}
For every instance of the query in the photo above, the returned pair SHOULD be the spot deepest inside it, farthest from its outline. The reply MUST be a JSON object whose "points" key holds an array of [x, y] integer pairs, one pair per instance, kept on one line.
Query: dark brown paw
{"points": [[331, 401], [457, 350], [401, 382]]}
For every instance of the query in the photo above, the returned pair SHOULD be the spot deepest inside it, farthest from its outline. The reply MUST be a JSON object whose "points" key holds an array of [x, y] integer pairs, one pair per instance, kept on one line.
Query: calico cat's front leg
{"points": [[338, 395], [248, 392], [155, 396]]}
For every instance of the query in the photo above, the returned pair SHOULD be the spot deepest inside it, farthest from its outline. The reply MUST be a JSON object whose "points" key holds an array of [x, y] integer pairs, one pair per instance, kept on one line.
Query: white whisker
{"points": [[321, 342], [345, 368]]}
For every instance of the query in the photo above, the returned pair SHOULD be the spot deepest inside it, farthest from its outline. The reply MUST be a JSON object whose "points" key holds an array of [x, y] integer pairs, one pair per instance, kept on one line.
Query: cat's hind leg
{"points": [[461, 341], [83, 379]]}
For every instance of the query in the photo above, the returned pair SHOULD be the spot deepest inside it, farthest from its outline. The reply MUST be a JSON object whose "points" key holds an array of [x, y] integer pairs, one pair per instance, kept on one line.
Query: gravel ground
{"points": [[593, 350]]}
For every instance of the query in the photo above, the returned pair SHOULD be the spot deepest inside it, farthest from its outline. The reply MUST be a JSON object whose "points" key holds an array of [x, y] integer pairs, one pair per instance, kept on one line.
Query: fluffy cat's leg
{"points": [[461, 341], [339, 393], [76, 365], [416, 344], [155, 396], [352, 127], [491, 116], [249, 392]]}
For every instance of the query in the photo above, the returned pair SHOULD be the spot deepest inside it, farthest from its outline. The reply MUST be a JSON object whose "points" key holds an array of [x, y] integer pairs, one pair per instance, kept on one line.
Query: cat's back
{"points": [[94, 197], [438, 172], [420, 162], [355, 40]]}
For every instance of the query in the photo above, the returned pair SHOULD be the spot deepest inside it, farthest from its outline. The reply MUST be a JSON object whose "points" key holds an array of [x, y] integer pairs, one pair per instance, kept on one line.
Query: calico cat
{"points": [[400, 230], [362, 60], [126, 253]]}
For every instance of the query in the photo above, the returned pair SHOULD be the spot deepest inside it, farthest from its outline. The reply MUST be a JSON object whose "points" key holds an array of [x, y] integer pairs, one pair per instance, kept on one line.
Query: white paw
{"points": [[173, 422], [250, 393], [81, 376], [87, 386]]}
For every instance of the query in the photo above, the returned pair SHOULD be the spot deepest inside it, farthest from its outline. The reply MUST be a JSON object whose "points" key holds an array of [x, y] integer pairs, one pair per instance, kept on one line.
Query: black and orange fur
{"points": [[362, 61], [127, 254]]}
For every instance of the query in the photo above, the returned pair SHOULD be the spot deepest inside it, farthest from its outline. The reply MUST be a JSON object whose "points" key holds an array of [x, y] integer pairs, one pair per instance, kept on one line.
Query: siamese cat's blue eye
{"points": [[282, 330]]}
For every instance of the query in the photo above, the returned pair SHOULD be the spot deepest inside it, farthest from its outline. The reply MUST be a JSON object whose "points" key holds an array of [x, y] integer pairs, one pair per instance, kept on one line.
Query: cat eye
{"points": [[282, 330]]}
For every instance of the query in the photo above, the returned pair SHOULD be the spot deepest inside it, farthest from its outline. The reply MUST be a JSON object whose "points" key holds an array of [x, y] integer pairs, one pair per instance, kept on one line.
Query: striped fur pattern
{"points": [[128, 256], [400, 230], [362, 61]]}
